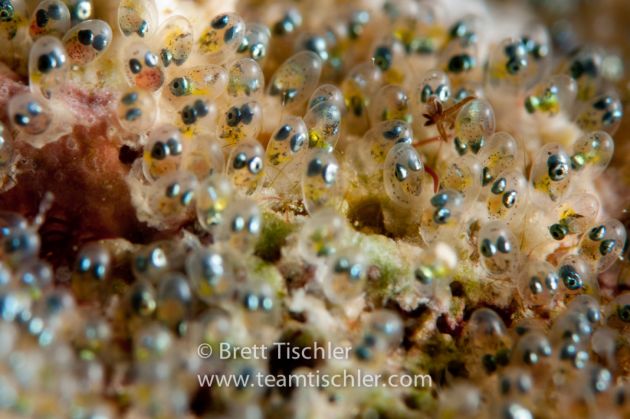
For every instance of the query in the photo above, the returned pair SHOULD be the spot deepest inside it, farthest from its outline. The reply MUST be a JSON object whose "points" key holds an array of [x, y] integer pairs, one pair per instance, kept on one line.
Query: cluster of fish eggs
{"points": [[388, 105]]}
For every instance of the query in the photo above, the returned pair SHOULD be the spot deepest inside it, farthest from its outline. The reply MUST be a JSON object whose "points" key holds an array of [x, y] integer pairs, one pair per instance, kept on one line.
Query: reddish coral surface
{"points": [[83, 171]]}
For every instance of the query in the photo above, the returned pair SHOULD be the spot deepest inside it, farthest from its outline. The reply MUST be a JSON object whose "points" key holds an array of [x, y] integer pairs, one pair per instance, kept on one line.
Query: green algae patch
{"points": [[272, 237], [267, 273], [384, 254], [469, 278]]}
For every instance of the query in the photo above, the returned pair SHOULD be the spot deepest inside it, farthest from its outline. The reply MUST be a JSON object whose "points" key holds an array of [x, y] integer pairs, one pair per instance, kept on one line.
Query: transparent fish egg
{"points": [[51, 17], [358, 87], [510, 65], [327, 93], [47, 66], [588, 306], [584, 65], [196, 82], [255, 44], [393, 103], [196, 116], [175, 38], [287, 140], [93, 262], [593, 152], [296, 79], [433, 269], [465, 90], [467, 27], [171, 197], [602, 113], [321, 235], [216, 324], [259, 303], [383, 330], [553, 96], [137, 17], [576, 276], [619, 309], [245, 79], [87, 41], [507, 198], [461, 400], [346, 276], [19, 244], [354, 24], [323, 122], [313, 42], [222, 38], [205, 157], [95, 334], [571, 326], [403, 175], [142, 66], [212, 197], [210, 274], [433, 83], [321, 183], [460, 60], [285, 150], [136, 110], [533, 348], [378, 141], [240, 120], [174, 298], [141, 299], [162, 152], [574, 215], [464, 176], [498, 248], [36, 275], [602, 244], [150, 262], [474, 125], [551, 172], [241, 226], [538, 284], [594, 380], [14, 304], [388, 55], [486, 331], [445, 211], [245, 166], [51, 313], [288, 22], [515, 382], [80, 10], [30, 115], [12, 17], [501, 153], [526, 325], [423, 34], [511, 408], [11, 221], [91, 268]]}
